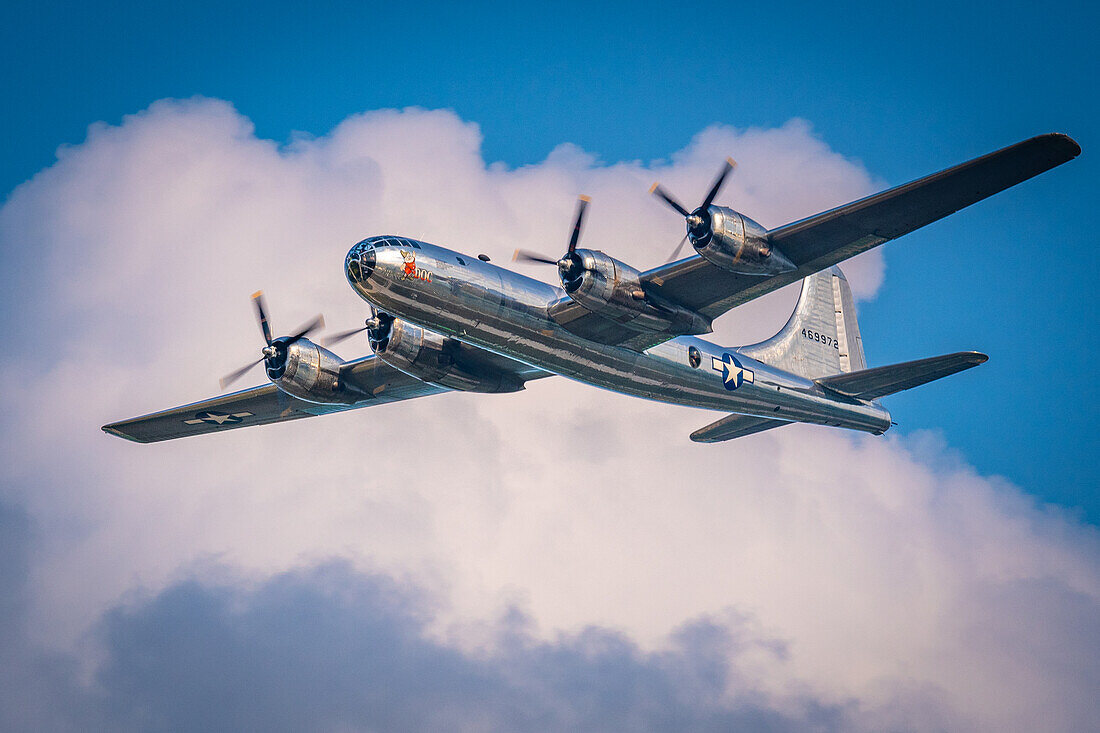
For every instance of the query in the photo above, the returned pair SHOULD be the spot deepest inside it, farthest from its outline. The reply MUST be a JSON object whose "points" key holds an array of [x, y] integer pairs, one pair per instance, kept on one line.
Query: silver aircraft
{"points": [[441, 320]]}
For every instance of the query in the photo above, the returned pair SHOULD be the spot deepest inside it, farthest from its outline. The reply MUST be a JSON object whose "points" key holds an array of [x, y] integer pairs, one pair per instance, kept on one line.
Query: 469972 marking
{"points": [[820, 338]]}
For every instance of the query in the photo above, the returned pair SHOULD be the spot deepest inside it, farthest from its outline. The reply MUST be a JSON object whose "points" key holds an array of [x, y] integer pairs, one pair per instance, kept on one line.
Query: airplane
{"points": [[442, 321]]}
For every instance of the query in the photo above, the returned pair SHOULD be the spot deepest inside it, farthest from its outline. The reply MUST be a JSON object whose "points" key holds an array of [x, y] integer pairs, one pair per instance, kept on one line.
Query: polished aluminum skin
{"points": [[736, 243], [505, 312], [448, 321], [613, 289], [435, 358], [313, 373]]}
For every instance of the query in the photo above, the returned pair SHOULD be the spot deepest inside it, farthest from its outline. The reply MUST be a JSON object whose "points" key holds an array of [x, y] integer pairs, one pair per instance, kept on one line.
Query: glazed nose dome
{"points": [[360, 262]]}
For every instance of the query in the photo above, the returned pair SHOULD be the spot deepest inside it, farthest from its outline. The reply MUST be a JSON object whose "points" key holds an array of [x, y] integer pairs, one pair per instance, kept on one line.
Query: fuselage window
{"points": [[694, 357]]}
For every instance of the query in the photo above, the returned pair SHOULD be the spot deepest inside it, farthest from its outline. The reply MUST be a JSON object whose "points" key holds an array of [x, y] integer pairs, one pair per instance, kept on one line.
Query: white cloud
{"points": [[895, 576]]}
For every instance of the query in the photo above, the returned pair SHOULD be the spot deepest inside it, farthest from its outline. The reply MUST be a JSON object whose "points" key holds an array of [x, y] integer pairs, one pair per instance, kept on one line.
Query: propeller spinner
{"points": [[570, 266], [275, 350], [374, 326], [698, 221]]}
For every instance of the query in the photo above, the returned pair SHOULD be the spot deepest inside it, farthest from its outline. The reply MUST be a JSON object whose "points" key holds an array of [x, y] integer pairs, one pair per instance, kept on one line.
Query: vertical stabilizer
{"points": [[821, 337]]}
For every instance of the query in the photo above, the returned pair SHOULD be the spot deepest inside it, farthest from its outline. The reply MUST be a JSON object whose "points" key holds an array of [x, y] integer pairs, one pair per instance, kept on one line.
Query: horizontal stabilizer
{"points": [[869, 384], [734, 426]]}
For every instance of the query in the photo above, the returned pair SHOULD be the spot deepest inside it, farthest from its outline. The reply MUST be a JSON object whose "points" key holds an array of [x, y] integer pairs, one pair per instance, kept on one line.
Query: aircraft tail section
{"points": [[822, 337], [735, 426], [864, 385], [821, 342], [870, 384]]}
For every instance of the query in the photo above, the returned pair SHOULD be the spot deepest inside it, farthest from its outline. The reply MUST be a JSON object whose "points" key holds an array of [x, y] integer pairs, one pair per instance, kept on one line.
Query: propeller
{"points": [[274, 352], [373, 324], [698, 221], [569, 265]]}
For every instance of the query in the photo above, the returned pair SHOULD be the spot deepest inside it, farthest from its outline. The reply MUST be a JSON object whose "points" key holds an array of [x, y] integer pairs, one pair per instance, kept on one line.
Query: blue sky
{"points": [[905, 93], [434, 547]]}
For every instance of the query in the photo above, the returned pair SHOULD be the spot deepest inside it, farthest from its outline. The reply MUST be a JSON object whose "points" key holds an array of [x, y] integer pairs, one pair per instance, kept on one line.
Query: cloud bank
{"points": [[559, 558], [330, 648]]}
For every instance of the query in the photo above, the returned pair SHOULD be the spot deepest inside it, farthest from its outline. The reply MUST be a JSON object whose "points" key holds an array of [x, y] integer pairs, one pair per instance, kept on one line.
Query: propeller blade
{"points": [[578, 220], [316, 323], [342, 336], [234, 376], [730, 165], [261, 315], [676, 252], [657, 190], [526, 255]]}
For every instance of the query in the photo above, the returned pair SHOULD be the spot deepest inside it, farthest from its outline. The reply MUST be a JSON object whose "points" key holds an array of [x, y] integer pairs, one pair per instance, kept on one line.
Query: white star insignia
{"points": [[731, 372], [217, 418]]}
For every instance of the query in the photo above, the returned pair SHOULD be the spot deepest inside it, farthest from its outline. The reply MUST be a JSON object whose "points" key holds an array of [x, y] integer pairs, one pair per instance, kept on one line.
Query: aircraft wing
{"points": [[379, 383], [825, 239]]}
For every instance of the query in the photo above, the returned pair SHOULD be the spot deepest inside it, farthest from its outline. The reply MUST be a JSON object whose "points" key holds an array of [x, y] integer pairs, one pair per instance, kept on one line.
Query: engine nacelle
{"points": [[612, 289], [433, 357], [311, 373], [736, 243]]}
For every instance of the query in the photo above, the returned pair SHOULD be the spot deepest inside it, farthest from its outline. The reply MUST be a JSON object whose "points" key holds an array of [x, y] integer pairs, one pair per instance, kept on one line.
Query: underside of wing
{"points": [[833, 236], [378, 382], [818, 242]]}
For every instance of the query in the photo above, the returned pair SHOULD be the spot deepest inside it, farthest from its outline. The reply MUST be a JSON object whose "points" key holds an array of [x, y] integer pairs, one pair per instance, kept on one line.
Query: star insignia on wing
{"points": [[217, 418]]}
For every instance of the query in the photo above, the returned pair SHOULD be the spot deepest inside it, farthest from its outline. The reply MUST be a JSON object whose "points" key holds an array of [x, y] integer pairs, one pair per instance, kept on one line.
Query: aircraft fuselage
{"points": [[448, 321], [508, 313]]}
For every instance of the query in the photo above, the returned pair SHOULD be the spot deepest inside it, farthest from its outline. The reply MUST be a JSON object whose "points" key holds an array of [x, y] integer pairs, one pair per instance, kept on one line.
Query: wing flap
{"points": [[869, 384]]}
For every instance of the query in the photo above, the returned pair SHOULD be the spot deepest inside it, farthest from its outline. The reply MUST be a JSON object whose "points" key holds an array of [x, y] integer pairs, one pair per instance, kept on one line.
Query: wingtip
{"points": [[113, 430], [973, 358], [1074, 146], [584, 198], [1066, 147], [654, 186], [257, 294]]}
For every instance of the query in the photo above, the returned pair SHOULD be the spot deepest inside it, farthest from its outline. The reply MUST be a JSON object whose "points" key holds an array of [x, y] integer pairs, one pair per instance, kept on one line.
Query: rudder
{"points": [[821, 338]]}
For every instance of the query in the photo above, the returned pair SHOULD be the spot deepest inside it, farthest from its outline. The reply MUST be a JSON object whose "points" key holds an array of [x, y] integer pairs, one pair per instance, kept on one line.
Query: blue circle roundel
{"points": [[733, 373]]}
